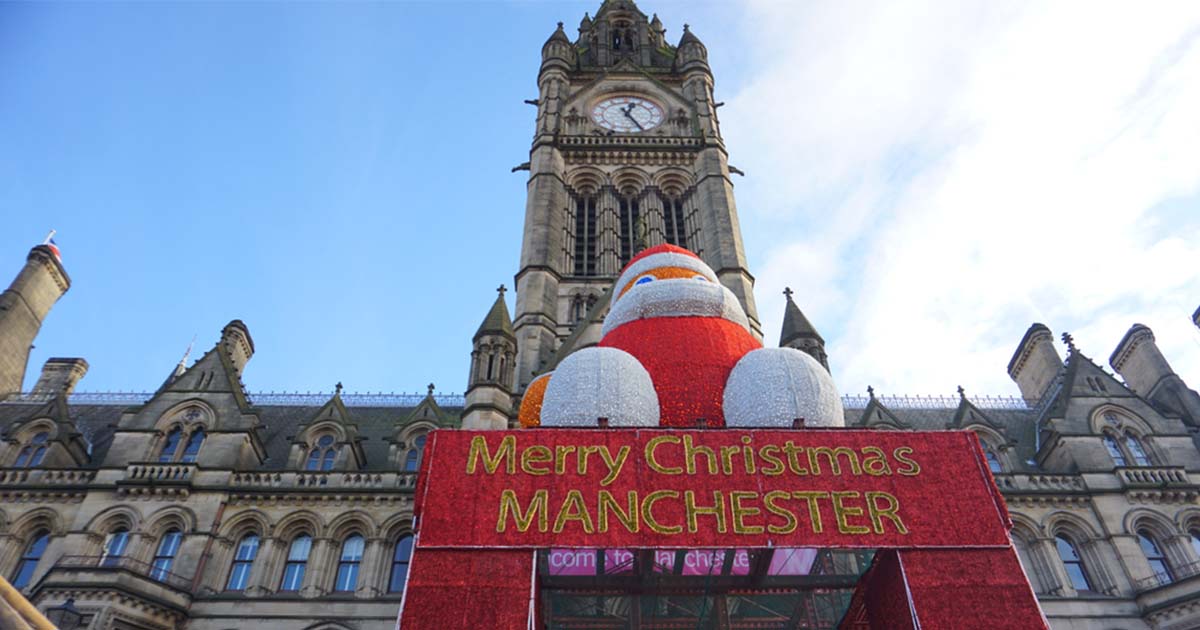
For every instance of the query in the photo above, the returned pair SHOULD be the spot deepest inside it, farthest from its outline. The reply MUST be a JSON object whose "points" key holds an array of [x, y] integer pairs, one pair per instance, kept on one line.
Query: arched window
{"points": [[1114, 450], [322, 455], [347, 572], [297, 561], [29, 560], [195, 441], [400, 558], [1195, 532], [993, 461], [633, 230], [1155, 557], [34, 452], [585, 236], [412, 462], [1073, 563], [1135, 449], [114, 547], [164, 556], [171, 445], [673, 223], [243, 559]]}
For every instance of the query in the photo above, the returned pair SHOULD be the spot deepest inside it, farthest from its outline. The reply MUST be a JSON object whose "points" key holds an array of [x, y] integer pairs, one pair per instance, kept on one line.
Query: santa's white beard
{"points": [[684, 297]]}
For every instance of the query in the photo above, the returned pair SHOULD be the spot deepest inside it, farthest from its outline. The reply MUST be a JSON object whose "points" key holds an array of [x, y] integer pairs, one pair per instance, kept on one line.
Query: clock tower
{"points": [[627, 154]]}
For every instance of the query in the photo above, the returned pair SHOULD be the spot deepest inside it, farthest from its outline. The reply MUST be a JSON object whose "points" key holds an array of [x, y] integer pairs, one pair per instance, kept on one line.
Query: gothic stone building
{"points": [[199, 506]]}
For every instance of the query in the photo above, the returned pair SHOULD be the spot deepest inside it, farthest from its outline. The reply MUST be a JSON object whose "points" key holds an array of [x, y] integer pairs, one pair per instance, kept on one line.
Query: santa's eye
{"points": [[699, 277], [644, 280]]}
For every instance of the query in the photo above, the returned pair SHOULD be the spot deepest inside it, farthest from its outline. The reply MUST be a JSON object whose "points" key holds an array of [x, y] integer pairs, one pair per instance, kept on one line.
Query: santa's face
{"points": [[672, 283]]}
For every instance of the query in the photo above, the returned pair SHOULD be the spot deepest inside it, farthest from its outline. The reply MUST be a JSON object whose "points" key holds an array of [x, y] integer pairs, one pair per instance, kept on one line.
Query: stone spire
{"points": [[799, 333], [23, 307], [493, 357]]}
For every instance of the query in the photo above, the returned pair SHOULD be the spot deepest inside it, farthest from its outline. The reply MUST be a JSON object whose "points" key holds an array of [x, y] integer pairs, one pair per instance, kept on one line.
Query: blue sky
{"points": [[337, 176]]}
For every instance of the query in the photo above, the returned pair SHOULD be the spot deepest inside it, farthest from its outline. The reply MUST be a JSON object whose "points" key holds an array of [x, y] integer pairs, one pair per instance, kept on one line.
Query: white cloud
{"points": [[933, 177]]}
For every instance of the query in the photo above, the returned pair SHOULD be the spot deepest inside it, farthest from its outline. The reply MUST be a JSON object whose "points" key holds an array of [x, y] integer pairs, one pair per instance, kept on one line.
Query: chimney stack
{"points": [[60, 375], [1035, 363], [23, 307], [237, 344]]}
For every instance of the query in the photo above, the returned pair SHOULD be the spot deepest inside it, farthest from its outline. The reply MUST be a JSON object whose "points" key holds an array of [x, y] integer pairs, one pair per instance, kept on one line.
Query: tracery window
{"points": [[585, 236], [400, 558], [297, 562], [34, 452], [1135, 449], [323, 454], [164, 555], [190, 440], [1073, 563], [993, 461], [1114, 450], [114, 547], [29, 559], [243, 560], [412, 462], [349, 563], [1155, 556]]}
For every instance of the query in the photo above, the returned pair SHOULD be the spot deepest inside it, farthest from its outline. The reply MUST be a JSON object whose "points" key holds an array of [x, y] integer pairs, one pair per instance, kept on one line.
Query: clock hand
{"points": [[631, 118]]}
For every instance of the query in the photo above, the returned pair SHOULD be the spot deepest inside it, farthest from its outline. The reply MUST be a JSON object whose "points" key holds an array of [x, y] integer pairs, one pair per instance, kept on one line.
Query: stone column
{"points": [[321, 565], [369, 584], [263, 571]]}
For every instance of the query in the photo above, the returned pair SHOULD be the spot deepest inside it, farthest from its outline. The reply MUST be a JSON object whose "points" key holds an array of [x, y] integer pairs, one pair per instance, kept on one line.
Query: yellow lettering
{"points": [[788, 517], [877, 464], [648, 512], [653, 463], [560, 458], [814, 510], [878, 513], [740, 512], [693, 510], [690, 452], [628, 518], [768, 453], [533, 456], [831, 455], [913, 468], [505, 454], [573, 509], [537, 507], [842, 511], [614, 465]]}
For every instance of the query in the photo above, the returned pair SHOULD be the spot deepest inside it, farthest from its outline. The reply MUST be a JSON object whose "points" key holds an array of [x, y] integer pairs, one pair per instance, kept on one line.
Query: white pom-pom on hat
{"points": [[771, 387], [596, 383]]}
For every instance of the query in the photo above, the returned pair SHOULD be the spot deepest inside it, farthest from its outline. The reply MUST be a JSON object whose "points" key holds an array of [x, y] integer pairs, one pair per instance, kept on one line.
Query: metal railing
{"points": [[392, 399], [124, 563], [1162, 578]]}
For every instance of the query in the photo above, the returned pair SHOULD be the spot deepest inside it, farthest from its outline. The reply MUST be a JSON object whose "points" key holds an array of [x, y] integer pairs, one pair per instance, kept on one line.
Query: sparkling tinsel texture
{"points": [[771, 387], [598, 383], [531, 403], [691, 297]]}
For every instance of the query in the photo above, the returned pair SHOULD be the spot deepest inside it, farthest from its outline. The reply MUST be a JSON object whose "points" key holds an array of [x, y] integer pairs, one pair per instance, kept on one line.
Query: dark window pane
{"points": [[327, 460], [1114, 451], [193, 446], [314, 460], [1073, 563], [171, 445], [29, 561]]}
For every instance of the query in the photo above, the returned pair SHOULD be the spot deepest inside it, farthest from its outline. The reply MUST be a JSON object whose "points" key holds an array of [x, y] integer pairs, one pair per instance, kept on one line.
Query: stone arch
{"points": [[672, 181], [1060, 522], [1187, 519], [27, 430], [333, 427], [114, 517], [586, 180], [396, 526], [1127, 419], [630, 180], [352, 522], [328, 625], [252, 521], [299, 522], [1145, 518], [35, 519], [1026, 526], [181, 414], [168, 518]]}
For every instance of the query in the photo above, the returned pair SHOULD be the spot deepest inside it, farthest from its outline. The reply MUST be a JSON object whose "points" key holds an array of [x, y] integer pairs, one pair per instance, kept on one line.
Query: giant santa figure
{"points": [[676, 350]]}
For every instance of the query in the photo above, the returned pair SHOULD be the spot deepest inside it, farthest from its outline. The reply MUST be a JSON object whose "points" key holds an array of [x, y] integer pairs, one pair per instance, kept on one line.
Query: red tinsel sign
{"points": [[645, 488]]}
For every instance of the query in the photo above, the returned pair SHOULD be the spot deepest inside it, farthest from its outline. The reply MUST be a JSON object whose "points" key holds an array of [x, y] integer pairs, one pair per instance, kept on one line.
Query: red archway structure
{"points": [[493, 506]]}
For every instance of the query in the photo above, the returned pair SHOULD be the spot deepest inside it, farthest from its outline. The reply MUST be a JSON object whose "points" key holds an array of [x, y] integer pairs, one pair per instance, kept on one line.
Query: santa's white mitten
{"points": [[596, 383], [773, 387]]}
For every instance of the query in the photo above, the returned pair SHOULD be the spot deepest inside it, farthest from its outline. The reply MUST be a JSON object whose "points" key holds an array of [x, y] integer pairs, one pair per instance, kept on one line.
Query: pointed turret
{"points": [[692, 55], [800, 334], [23, 307], [490, 383]]}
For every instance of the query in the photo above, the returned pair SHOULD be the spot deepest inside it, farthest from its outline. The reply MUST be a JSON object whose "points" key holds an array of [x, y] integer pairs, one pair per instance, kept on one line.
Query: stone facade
{"points": [[202, 507]]}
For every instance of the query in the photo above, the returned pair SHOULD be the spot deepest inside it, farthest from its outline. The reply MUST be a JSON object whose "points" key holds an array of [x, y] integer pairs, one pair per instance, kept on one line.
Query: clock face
{"points": [[627, 114]]}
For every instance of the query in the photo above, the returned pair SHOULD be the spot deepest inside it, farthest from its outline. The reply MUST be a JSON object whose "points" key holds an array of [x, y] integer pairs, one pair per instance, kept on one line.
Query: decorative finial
{"points": [[870, 391], [685, 27], [501, 289], [788, 292], [430, 389], [962, 393], [337, 389], [1069, 340], [560, 26]]}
